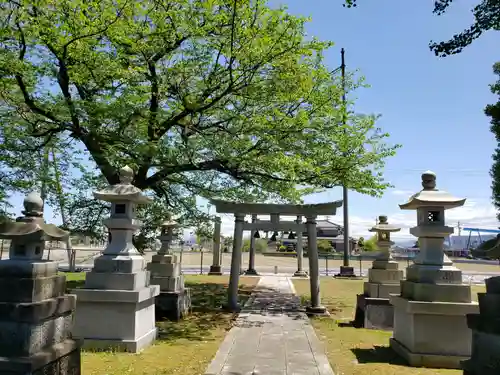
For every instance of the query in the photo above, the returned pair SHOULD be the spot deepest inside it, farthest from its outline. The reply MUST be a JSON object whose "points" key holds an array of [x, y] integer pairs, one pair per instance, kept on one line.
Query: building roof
{"points": [[327, 224]]}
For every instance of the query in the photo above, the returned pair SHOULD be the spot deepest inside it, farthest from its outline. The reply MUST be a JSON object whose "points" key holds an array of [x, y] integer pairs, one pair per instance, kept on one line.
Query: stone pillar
{"points": [[216, 267], [174, 299], [116, 307], [36, 316], [300, 252], [485, 326], [234, 277], [316, 308], [373, 308], [430, 327], [251, 254]]}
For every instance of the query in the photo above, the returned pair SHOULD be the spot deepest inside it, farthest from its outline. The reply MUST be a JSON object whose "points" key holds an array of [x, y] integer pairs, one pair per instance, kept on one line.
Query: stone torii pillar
{"points": [[300, 252], [216, 267], [251, 254], [316, 308], [234, 277]]}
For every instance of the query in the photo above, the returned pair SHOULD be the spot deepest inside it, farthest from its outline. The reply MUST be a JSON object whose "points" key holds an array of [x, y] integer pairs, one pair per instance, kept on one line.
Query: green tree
{"points": [[204, 233], [324, 246], [371, 244], [260, 245], [201, 98], [493, 111], [227, 242], [361, 242], [486, 17]]}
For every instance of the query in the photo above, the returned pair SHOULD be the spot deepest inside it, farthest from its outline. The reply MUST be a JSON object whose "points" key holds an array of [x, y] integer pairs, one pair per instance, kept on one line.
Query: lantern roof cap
{"points": [[32, 223], [170, 224], [384, 226], [124, 190], [430, 196]]}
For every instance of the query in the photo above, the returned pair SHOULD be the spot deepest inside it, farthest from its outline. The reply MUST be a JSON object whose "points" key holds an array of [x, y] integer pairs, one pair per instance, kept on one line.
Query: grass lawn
{"points": [[185, 347], [354, 351]]}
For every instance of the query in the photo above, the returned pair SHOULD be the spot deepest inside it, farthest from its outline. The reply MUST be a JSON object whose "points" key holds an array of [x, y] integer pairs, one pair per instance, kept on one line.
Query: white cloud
{"points": [[398, 192], [475, 213]]}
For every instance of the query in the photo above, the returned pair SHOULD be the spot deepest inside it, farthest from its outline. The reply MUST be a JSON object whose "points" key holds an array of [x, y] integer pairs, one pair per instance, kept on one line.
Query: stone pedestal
{"points": [[430, 327], [485, 326], [431, 334], [116, 307], [174, 301], [373, 313], [36, 320], [383, 279], [373, 309], [346, 272], [215, 270]]}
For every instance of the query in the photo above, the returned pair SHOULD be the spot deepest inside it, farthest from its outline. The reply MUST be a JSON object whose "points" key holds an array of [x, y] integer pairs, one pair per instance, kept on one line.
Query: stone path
{"points": [[271, 336]]}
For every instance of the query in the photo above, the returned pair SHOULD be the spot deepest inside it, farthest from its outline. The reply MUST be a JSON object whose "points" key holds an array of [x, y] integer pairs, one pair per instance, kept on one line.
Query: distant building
{"points": [[330, 231]]}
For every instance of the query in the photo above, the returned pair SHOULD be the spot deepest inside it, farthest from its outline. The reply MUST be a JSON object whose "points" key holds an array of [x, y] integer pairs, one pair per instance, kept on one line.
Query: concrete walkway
{"points": [[271, 336]]}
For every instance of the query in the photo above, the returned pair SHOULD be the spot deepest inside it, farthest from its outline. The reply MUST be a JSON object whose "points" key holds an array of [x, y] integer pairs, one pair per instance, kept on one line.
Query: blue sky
{"points": [[432, 106]]}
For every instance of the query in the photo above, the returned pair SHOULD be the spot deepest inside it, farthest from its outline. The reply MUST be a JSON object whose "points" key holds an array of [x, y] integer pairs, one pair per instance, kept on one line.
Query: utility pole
{"points": [[459, 229], [345, 270]]}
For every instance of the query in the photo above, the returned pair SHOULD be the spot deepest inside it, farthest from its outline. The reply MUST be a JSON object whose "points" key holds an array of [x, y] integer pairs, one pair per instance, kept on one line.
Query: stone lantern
{"points": [[384, 276], [33, 300], [373, 309], [118, 286], [174, 299], [430, 327], [168, 228]]}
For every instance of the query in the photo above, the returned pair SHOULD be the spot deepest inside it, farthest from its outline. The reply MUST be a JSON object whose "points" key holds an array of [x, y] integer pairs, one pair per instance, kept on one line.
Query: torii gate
{"points": [[310, 211]]}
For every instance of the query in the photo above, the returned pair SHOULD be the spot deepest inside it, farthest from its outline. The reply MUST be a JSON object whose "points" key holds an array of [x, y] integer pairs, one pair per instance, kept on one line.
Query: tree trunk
{"points": [[60, 197]]}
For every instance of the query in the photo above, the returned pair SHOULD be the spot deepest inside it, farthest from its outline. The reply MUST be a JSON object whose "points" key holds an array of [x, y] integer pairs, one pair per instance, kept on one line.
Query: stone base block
{"points": [[485, 356], [61, 359], [300, 274], [164, 269], [426, 359], [251, 272], [432, 334], [385, 264], [123, 317], [173, 305], [21, 289], [459, 293], [373, 313], [29, 338], [38, 311], [168, 284], [215, 270], [119, 263], [22, 268], [121, 345], [164, 258], [317, 311], [434, 274], [117, 281], [375, 290], [346, 271], [384, 276]]}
